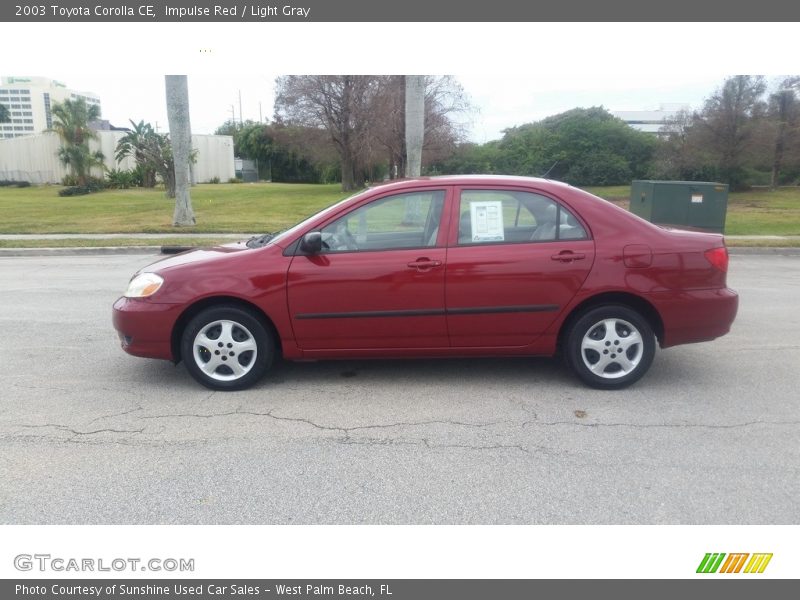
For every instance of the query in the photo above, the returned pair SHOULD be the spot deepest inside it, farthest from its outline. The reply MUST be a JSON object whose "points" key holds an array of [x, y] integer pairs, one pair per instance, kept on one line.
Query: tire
{"points": [[593, 342], [227, 348]]}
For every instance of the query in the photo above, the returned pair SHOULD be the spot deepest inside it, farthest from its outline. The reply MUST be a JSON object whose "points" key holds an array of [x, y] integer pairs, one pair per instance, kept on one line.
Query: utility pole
{"points": [[180, 133], [415, 132], [240, 108], [415, 123]]}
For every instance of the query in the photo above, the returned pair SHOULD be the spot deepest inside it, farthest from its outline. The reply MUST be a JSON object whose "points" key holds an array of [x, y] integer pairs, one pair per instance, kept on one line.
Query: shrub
{"points": [[214, 180], [235, 180], [117, 179], [93, 185], [14, 183], [75, 190]]}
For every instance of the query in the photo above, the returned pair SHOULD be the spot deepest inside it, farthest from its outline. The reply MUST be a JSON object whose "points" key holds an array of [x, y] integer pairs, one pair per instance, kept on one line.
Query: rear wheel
{"points": [[610, 347], [227, 348]]}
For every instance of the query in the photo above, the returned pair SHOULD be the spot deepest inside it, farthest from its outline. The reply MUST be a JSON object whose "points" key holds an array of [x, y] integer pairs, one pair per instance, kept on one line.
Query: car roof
{"points": [[467, 180]]}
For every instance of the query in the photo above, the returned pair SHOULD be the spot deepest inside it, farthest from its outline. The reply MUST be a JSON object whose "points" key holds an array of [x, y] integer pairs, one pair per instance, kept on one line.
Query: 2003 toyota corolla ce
{"points": [[449, 266]]}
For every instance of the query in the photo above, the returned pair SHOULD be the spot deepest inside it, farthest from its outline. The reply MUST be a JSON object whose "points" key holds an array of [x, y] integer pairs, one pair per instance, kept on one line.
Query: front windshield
{"points": [[289, 233]]}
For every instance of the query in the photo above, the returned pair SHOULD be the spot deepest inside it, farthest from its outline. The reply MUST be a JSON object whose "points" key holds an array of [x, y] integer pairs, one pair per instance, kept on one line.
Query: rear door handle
{"points": [[568, 256], [424, 264]]}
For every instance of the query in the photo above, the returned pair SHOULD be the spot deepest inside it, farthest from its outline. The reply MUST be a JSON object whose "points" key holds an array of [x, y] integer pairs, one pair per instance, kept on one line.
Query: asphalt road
{"points": [[90, 435]]}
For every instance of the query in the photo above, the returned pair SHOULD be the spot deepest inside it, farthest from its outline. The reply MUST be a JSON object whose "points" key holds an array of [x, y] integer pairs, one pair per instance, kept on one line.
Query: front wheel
{"points": [[226, 348], [610, 347]]}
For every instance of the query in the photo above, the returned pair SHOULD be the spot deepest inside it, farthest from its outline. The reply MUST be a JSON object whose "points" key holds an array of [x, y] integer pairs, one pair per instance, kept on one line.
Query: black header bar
{"points": [[419, 11]]}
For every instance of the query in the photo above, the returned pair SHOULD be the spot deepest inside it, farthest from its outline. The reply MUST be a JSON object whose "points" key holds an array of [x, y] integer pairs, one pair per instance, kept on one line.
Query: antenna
{"points": [[548, 170]]}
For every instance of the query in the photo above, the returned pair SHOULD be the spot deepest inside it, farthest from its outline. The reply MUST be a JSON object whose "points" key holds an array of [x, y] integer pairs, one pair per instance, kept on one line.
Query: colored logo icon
{"points": [[734, 563]]}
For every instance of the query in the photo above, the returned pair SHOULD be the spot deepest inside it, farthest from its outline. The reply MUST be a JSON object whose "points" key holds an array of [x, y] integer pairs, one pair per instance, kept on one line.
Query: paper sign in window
{"points": [[697, 198], [487, 221]]}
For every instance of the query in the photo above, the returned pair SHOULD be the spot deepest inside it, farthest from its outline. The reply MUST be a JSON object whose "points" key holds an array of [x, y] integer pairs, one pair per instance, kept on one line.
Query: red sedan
{"points": [[446, 266]]}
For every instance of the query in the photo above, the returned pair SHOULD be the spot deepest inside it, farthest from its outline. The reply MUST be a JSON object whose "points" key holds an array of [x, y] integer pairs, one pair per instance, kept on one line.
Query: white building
{"points": [[651, 121], [29, 100]]}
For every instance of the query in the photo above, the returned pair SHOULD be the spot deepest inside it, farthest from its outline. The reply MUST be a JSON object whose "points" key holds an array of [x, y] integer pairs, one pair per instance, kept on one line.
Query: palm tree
{"points": [[157, 153], [72, 126], [135, 143]]}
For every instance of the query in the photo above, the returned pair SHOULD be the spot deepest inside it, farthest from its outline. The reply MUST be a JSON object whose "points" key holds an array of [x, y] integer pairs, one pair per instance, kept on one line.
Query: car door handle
{"points": [[424, 264], [568, 256]]}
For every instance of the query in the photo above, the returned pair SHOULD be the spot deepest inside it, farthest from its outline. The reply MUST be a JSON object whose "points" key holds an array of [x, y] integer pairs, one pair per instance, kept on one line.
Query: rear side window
{"points": [[500, 216]]}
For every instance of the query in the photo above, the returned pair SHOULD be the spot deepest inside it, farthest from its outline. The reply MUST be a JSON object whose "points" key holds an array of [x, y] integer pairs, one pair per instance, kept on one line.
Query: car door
{"points": [[378, 282], [516, 259]]}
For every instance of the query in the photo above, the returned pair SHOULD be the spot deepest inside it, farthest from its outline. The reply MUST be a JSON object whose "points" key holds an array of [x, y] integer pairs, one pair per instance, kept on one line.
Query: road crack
{"points": [[345, 430], [120, 414], [660, 425], [76, 433]]}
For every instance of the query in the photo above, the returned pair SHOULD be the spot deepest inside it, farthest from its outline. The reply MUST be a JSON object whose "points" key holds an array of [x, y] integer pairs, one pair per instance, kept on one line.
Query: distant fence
{"points": [[34, 158]]}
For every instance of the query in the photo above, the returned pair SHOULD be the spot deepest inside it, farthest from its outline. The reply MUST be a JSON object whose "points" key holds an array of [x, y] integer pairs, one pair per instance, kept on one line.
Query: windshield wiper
{"points": [[257, 241]]}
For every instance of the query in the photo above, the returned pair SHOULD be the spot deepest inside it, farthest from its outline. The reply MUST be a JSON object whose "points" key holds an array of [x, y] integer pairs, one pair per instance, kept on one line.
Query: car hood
{"points": [[199, 255]]}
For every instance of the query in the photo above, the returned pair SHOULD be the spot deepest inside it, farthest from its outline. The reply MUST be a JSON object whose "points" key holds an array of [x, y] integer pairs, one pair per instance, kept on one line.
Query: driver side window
{"points": [[404, 221]]}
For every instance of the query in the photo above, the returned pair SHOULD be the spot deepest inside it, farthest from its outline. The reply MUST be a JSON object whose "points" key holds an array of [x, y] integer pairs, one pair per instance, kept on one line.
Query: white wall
{"points": [[31, 158], [214, 158], [34, 158]]}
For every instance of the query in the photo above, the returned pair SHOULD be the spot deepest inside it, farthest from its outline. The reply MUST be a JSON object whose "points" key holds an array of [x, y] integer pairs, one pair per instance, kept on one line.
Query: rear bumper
{"points": [[145, 328], [695, 315]]}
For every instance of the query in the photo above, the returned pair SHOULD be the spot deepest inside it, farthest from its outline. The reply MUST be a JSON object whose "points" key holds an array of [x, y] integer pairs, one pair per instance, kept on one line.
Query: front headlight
{"points": [[144, 285]]}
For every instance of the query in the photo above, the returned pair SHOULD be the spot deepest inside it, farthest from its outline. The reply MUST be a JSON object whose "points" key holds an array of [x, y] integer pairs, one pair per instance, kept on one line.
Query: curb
{"points": [[763, 251], [80, 251]]}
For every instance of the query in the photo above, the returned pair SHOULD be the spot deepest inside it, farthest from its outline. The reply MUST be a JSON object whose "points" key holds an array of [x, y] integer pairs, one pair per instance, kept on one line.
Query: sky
{"points": [[513, 73], [498, 101]]}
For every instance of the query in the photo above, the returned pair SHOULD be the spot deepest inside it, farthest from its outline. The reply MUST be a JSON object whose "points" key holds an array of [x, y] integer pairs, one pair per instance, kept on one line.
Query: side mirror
{"points": [[311, 243]]}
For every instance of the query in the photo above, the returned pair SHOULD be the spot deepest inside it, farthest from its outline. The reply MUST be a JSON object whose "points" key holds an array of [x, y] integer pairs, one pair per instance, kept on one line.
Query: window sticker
{"points": [[487, 221]]}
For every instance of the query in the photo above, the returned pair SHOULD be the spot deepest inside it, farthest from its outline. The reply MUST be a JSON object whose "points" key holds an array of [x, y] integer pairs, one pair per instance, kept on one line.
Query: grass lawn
{"points": [[757, 212], [187, 240], [234, 208], [221, 208]]}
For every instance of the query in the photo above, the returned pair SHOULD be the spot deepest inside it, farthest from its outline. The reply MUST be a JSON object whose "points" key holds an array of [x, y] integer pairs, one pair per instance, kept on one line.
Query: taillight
{"points": [[718, 257]]}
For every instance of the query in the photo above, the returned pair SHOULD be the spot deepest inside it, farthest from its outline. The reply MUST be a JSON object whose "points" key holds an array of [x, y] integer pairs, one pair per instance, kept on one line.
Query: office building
{"points": [[29, 101]]}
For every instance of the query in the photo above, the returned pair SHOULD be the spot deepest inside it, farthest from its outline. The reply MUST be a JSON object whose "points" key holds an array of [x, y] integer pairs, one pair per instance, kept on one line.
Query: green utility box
{"points": [[692, 204]]}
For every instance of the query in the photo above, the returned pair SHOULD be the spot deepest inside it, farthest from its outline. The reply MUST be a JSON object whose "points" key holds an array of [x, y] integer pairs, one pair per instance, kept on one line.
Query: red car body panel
{"points": [[447, 300]]}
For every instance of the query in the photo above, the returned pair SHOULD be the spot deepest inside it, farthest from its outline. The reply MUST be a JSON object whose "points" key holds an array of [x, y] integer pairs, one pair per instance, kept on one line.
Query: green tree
{"points": [[678, 155], [254, 141], [134, 144], [152, 152], [157, 153], [290, 154], [730, 127], [72, 118], [784, 114], [341, 105], [470, 158], [582, 146]]}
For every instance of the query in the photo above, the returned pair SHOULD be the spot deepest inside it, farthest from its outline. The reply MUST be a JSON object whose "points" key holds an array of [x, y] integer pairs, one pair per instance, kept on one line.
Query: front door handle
{"points": [[568, 256], [424, 264]]}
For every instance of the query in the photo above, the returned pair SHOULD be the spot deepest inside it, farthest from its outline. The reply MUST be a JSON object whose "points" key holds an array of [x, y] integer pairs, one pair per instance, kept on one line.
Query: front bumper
{"points": [[145, 328]]}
